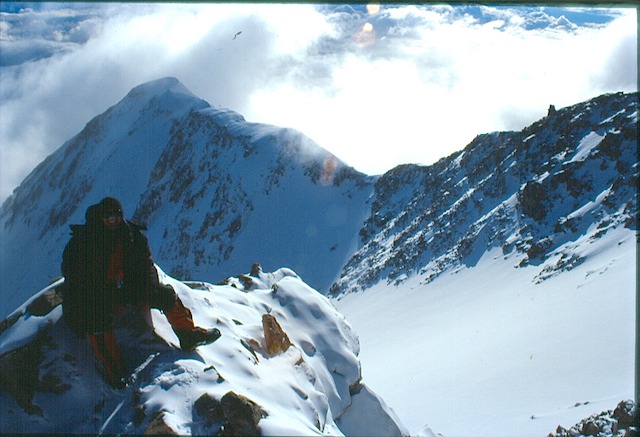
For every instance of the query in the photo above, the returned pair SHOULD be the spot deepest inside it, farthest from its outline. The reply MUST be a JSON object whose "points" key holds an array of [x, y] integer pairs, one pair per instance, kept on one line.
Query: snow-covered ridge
{"points": [[529, 193], [312, 387]]}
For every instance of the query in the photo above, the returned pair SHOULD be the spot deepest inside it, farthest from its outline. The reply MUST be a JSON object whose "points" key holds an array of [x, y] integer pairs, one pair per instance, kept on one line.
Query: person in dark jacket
{"points": [[107, 265]]}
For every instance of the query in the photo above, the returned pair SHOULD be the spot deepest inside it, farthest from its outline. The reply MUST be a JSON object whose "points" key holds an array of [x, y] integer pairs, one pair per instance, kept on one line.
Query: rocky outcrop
{"points": [[241, 415], [621, 422], [157, 426], [276, 339], [210, 409], [532, 200], [235, 414], [285, 351], [19, 374]]}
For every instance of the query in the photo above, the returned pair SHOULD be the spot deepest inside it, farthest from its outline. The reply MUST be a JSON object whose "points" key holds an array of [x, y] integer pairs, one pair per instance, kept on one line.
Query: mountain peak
{"points": [[160, 86], [167, 93], [200, 173]]}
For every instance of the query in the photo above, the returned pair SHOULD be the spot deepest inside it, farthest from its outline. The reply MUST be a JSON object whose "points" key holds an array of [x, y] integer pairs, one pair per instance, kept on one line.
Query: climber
{"points": [[107, 265]]}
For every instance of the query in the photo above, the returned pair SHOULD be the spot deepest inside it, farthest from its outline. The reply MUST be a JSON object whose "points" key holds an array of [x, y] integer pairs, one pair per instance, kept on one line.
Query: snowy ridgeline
{"points": [[312, 386]]}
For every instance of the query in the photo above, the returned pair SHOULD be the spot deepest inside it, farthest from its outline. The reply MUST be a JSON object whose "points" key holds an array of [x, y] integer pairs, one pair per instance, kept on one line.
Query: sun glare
{"points": [[366, 36], [373, 8]]}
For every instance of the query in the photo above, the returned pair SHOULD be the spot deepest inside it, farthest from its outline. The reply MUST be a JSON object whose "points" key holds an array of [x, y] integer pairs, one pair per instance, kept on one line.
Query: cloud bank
{"points": [[376, 87]]}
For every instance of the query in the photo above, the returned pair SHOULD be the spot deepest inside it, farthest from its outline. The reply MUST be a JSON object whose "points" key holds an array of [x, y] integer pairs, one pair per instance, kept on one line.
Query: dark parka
{"points": [[89, 299]]}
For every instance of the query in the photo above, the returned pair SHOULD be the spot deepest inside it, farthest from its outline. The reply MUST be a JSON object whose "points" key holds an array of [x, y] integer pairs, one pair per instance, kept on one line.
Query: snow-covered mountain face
{"points": [[234, 190], [216, 192], [531, 193], [504, 276], [534, 223]]}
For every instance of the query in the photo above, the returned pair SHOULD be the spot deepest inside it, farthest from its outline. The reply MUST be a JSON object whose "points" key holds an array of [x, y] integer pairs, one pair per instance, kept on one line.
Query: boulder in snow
{"points": [[276, 339]]}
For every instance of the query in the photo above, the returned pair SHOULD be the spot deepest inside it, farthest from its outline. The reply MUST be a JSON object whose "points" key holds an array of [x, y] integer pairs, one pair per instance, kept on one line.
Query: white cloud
{"points": [[417, 85], [441, 82]]}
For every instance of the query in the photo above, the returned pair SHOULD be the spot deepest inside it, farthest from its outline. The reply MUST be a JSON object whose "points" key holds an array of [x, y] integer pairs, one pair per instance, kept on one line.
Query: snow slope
{"points": [[490, 351], [309, 389], [232, 188]]}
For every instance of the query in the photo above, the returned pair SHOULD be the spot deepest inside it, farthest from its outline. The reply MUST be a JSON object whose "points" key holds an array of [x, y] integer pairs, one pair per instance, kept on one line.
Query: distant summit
{"points": [[168, 89], [160, 86]]}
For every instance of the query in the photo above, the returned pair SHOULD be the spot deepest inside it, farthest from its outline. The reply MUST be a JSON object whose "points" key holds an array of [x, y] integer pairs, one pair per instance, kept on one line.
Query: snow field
{"points": [[486, 352]]}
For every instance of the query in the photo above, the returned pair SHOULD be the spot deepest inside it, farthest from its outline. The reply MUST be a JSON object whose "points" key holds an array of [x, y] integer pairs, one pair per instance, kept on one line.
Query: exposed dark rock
{"points": [[210, 409], [157, 426], [622, 422], [539, 247], [45, 303], [589, 428], [19, 374], [256, 269], [139, 414], [10, 321], [627, 414], [238, 415], [532, 200], [241, 415]]}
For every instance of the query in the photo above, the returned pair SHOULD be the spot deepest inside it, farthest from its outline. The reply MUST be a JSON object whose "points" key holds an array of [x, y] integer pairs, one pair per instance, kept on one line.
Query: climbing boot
{"points": [[189, 340]]}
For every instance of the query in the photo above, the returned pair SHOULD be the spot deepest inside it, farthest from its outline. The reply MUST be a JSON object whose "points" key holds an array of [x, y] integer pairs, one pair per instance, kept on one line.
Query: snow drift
{"points": [[312, 387]]}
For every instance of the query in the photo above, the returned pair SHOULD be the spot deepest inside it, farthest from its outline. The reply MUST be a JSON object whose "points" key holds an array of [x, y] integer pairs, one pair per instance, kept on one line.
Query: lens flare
{"points": [[328, 170], [373, 8], [366, 36]]}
